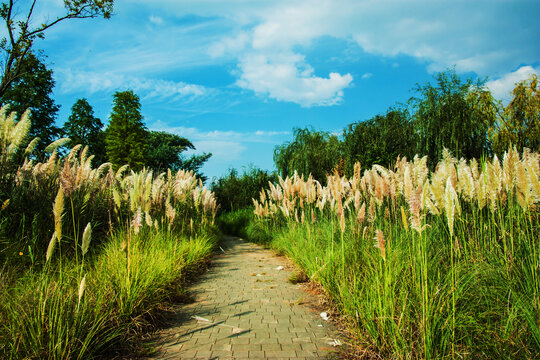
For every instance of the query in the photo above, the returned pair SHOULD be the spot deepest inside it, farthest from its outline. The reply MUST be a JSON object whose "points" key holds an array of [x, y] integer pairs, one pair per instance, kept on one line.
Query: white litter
{"points": [[198, 318], [280, 268], [324, 316], [335, 342], [319, 325]]}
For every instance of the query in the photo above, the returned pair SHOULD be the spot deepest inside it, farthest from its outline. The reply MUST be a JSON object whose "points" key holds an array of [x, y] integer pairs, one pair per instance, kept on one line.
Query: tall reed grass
{"points": [[430, 265], [87, 255]]}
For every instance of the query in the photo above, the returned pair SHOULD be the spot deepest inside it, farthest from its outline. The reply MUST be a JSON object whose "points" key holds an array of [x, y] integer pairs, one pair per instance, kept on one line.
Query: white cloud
{"points": [[268, 39], [92, 82], [472, 36], [501, 88], [221, 150], [224, 145], [157, 20], [286, 77], [192, 133], [271, 133], [268, 64], [367, 75], [229, 45]]}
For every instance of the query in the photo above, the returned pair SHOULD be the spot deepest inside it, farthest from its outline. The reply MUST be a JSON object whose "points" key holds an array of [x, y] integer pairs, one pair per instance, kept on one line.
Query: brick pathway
{"points": [[245, 308]]}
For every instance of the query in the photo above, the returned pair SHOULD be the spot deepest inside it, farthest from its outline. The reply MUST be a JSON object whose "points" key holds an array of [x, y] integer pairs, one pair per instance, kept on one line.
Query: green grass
{"points": [[126, 283], [474, 295], [242, 223]]}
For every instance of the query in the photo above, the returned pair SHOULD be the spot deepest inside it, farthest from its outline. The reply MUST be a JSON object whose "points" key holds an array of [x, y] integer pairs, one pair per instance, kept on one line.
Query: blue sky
{"points": [[235, 77]]}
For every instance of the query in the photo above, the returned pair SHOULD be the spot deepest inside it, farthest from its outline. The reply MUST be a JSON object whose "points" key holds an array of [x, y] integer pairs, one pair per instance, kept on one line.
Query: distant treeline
{"points": [[454, 113], [460, 115]]}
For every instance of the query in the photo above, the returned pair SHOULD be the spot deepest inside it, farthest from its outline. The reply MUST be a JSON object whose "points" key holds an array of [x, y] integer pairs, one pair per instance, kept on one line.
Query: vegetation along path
{"points": [[245, 307]]}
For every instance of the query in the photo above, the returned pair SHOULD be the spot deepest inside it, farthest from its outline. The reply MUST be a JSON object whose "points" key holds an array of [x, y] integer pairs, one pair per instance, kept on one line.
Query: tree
{"points": [[126, 136], [519, 124], [164, 150], [32, 90], [84, 128], [453, 114], [234, 191], [311, 152], [21, 34], [194, 163], [379, 140]]}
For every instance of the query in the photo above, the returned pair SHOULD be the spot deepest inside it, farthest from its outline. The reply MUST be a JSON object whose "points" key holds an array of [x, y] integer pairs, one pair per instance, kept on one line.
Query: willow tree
{"points": [[379, 140], [519, 123], [453, 114], [311, 152]]}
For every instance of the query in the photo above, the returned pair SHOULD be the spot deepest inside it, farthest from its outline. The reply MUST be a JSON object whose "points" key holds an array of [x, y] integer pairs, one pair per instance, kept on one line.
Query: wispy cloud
{"points": [[224, 145], [157, 20], [92, 82], [259, 136]]}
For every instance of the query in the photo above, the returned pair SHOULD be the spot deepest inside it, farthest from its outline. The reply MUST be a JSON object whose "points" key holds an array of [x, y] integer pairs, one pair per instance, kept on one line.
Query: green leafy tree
{"points": [[379, 140], [453, 114], [164, 150], [21, 31], [234, 191], [84, 128], [519, 123], [194, 163], [311, 152], [126, 135], [32, 90]]}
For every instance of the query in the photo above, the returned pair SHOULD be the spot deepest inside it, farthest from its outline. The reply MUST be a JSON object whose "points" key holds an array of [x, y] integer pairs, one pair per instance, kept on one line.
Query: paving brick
{"points": [[246, 347], [271, 347], [279, 354], [249, 316]]}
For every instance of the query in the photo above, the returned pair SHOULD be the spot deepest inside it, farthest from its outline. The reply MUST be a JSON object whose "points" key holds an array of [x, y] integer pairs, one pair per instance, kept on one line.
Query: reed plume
{"points": [[87, 237], [451, 203], [50, 248], [380, 243], [58, 209], [82, 288]]}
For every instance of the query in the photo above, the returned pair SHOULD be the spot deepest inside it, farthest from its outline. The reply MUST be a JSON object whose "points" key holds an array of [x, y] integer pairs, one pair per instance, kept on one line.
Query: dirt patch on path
{"points": [[245, 308]]}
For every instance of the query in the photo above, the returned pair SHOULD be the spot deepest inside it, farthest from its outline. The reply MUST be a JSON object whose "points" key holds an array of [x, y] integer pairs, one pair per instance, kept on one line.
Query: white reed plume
{"points": [[87, 237], [82, 287], [56, 144], [136, 223], [451, 205], [523, 192], [58, 209], [465, 181], [50, 248]]}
